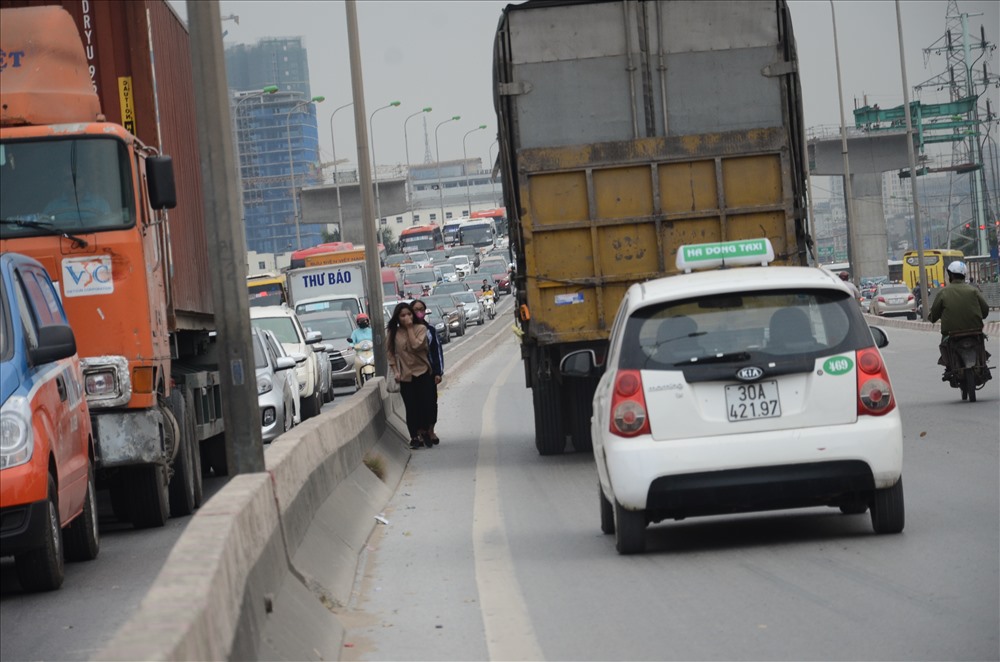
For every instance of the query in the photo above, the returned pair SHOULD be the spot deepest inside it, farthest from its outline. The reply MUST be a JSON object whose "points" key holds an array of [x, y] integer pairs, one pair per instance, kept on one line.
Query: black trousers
{"points": [[420, 400]]}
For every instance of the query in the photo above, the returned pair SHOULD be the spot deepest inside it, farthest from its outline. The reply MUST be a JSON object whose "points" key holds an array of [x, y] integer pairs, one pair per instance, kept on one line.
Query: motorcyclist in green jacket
{"points": [[960, 307]]}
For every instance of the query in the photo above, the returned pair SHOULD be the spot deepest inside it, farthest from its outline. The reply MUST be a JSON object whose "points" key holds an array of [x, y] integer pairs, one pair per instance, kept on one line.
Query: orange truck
{"points": [[94, 95]]}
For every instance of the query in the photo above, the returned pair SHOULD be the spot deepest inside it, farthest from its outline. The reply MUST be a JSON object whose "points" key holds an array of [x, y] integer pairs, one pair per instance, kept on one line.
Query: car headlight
{"points": [[264, 384], [17, 440]]}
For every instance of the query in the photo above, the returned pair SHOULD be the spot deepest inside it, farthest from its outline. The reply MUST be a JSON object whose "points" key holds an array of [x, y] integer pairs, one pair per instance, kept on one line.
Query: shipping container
{"points": [[627, 129]]}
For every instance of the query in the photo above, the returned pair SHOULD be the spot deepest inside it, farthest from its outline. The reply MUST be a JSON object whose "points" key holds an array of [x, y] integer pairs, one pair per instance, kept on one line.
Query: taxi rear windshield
{"points": [[745, 326]]}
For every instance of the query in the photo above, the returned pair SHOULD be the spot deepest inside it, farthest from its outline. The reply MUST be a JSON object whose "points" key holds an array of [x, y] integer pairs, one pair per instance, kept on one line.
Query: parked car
{"points": [[442, 320], [48, 500], [291, 376], [742, 390], [462, 265], [449, 274], [414, 282], [275, 394], [449, 303], [336, 328], [498, 270], [397, 260], [893, 299], [286, 327], [452, 288], [437, 257], [421, 259], [469, 252], [474, 310]]}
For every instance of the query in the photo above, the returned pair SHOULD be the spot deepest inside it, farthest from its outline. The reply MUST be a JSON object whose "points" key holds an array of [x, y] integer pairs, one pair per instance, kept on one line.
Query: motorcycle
{"points": [[490, 305], [965, 360], [364, 362]]}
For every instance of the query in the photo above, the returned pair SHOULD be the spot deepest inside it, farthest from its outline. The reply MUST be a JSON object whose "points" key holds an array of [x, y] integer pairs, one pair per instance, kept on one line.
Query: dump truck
{"points": [[93, 101], [627, 129]]}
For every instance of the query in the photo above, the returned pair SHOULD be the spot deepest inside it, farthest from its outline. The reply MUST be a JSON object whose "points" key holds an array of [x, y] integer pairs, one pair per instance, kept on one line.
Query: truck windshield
{"points": [[72, 185]]}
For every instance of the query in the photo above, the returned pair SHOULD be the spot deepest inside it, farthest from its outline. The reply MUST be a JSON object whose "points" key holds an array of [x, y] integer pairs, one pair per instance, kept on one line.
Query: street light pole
{"points": [[437, 157], [465, 166], [406, 144], [853, 245], [291, 164], [493, 185], [336, 173], [371, 132]]}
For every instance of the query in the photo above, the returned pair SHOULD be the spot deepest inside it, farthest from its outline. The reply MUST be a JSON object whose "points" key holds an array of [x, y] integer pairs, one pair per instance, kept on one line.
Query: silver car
{"points": [[893, 299], [336, 327], [474, 309], [275, 393]]}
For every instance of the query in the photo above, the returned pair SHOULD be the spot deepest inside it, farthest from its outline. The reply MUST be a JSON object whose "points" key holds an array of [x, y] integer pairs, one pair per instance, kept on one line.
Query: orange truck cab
{"points": [[47, 455], [86, 198]]}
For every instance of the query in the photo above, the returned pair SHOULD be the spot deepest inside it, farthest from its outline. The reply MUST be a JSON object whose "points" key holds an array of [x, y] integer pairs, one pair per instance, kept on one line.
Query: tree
{"points": [[388, 239]]}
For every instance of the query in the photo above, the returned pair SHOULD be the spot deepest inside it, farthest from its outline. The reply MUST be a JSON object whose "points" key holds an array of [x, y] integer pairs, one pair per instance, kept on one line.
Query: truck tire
{"points": [[182, 496], [550, 433], [149, 489], [82, 537], [121, 502], [42, 569]]}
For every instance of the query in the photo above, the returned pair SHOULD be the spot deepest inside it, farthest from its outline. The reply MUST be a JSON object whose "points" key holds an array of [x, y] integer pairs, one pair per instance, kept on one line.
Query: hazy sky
{"points": [[439, 54]]}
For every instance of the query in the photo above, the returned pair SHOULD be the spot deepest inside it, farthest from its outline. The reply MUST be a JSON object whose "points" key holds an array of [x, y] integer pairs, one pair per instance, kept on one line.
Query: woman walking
{"points": [[407, 347], [437, 366]]}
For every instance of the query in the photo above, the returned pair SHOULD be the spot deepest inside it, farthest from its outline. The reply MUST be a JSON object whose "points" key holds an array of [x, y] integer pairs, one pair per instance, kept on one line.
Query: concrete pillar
{"points": [[869, 258]]}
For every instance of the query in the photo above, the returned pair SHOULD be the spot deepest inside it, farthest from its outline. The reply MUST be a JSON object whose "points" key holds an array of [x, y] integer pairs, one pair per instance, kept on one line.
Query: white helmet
{"points": [[958, 268]]}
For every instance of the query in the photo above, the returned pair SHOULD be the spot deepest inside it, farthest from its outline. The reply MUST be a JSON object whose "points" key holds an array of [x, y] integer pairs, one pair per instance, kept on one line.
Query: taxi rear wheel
{"points": [[607, 513], [630, 530], [42, 569], [888, 514]]}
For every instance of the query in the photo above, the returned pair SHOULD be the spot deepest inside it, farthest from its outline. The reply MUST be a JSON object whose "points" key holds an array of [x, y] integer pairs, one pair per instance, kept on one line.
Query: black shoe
{"points": [[415, 443], [426, 441], [433, 442]]}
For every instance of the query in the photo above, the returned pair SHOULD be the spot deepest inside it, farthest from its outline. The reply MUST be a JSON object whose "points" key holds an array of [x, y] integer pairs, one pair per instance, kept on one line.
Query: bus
{"points": [[450, 231], [481, 233], [335, 252], [936, 261], [421, 238], [499, 216], [267, 289]]}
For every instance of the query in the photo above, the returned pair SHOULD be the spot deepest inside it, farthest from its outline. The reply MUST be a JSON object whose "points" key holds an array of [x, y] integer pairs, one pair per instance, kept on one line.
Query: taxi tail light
{"points": [[909, 297], [628, 405], [880, 299], [875, 396]]}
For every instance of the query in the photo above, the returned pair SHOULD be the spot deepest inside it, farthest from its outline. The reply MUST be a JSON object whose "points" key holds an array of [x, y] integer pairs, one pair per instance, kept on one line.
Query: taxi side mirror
{"points": [[880, 337], [55, 342]]}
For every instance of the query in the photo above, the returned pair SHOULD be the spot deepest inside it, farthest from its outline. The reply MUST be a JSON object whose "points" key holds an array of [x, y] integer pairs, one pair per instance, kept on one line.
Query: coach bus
{"points": [[450, 231], [421, 238], [480, 233]]}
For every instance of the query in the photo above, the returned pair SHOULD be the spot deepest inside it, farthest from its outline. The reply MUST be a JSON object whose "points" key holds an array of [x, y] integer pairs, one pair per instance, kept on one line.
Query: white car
{"points": [[275, 394], [283, 323], [291, 376], [742, 390]]}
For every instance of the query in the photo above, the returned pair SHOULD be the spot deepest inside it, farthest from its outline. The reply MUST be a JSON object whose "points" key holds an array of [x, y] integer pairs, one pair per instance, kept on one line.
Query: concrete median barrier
{"points": [[261, 567]]}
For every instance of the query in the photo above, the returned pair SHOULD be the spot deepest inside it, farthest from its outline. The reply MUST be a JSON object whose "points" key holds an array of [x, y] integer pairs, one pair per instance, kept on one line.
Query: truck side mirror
{"points": [[160, 182]]}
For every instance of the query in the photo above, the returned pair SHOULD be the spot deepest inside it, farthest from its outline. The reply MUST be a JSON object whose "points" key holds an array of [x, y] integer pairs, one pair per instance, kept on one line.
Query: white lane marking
{"points": [[509, 633]]}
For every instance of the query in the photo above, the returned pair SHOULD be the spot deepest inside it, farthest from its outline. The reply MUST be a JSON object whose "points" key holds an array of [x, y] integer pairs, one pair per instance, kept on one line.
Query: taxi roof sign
{"points": [[742, 252]]}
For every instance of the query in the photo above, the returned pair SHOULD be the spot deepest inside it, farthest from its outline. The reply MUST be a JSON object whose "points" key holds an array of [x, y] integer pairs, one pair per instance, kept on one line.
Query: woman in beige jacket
{"points": [[407, 345]]}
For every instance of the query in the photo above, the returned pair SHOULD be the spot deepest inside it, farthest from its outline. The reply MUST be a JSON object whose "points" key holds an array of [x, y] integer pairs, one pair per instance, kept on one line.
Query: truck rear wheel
{"points": [[148, 487], [550, 434]]}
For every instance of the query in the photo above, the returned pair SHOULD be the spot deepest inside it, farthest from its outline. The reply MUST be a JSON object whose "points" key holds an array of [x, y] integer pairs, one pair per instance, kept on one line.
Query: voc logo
{"points": [[87, 276]]}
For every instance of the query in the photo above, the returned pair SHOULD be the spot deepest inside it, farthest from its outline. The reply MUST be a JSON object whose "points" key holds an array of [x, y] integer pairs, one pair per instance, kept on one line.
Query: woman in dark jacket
{"points": [[408, 351]]}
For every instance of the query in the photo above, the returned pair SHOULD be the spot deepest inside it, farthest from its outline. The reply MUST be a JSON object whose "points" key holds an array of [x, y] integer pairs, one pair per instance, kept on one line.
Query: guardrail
{"points": [[261, 566]]}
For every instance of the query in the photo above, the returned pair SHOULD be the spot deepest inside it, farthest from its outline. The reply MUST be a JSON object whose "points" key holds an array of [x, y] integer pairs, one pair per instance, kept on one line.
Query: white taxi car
{"points": [[742, 390]]}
